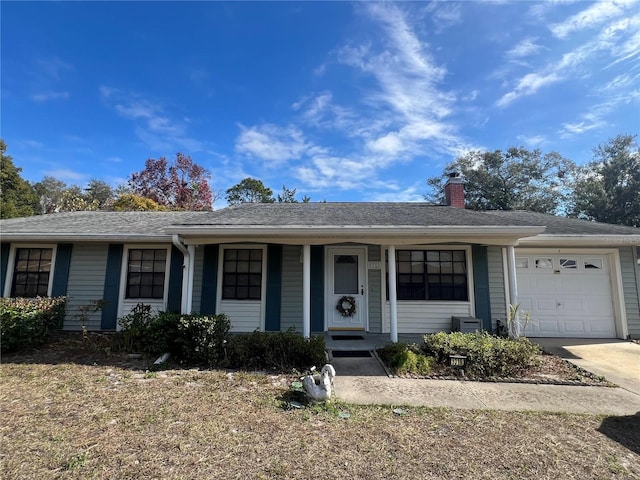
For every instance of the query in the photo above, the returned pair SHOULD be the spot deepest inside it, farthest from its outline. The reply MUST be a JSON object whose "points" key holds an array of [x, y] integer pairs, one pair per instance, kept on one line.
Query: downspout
{"points": [[185, 300]]}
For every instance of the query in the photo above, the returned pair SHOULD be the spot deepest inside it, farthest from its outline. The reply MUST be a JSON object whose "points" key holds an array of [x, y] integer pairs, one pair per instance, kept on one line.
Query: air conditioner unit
{"points": [[465, 324]]}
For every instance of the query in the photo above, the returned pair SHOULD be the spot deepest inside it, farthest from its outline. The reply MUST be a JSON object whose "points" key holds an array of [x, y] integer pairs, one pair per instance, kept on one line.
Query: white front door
{"points": [[346, 302]]}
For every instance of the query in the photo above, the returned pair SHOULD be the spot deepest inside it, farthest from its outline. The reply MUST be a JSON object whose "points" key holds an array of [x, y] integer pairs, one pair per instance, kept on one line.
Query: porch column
{"points": [[306, 291], [393, 297], [514, 326]]}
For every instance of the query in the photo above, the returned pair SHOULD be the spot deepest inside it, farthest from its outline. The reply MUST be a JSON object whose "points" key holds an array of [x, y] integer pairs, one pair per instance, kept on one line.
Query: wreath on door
{"points": [[346, 306]]}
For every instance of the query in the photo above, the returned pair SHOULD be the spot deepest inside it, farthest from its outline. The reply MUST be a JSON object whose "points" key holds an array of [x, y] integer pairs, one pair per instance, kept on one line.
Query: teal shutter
{"points": [[209, 280], [61, 270], [4, 265], [111, 295], [274, 288], [317, 288], [481, 285], [174, 299]]}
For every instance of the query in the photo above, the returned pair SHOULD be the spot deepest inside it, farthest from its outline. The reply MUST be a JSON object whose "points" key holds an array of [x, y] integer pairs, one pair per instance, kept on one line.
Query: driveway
{"points": [[617, 360]]}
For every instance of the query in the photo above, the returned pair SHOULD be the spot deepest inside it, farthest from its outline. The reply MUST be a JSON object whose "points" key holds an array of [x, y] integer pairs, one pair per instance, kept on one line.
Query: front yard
{"points": [[70, 412]]}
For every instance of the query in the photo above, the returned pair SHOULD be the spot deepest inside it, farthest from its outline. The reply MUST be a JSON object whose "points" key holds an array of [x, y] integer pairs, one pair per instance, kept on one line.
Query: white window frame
{"points": [[263, 282], [156, 303], [8, 284]]}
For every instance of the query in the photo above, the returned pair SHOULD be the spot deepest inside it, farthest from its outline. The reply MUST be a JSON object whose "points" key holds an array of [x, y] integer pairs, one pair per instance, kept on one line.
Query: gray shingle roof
{"points": [[96, 223], [356, 214], [348, 214], [562, 225]]}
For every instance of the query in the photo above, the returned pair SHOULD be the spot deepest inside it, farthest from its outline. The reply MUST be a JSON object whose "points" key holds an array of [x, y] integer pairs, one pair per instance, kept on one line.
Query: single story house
{"points": [[384, 268]]}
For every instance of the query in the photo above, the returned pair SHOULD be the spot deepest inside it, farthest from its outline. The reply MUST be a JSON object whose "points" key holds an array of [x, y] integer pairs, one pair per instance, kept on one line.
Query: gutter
{"points": [[600, 240], [346, 230]]}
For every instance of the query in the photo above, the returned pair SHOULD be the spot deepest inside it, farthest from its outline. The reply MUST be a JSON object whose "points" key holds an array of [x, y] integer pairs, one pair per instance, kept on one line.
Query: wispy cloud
{"points": [[532, 141], [528, 85], [620, 39], [596, 14], [152, 125], [523, 49], [275, 145], [47, 96], [53, 67]]}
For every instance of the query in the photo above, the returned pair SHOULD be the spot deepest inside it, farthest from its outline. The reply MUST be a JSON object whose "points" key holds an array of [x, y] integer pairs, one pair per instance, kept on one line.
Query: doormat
{"points": [[347, 337], [350, 354]]}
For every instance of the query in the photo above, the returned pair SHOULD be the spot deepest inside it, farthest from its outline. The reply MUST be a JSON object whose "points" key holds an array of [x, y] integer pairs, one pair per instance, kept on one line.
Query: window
{"points": [[593, 263], [544, 263], [568, 263], [242, 274], [31, 272], [146, 273], [522, 262], [432, 275]]}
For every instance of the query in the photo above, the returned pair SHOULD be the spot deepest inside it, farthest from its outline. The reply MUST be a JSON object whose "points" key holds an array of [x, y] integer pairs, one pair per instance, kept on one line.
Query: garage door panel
{"points": [[569, 302]]}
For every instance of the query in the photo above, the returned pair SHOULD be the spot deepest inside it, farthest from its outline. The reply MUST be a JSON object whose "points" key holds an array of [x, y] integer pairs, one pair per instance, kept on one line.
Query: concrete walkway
{"points": [[363, 381]]}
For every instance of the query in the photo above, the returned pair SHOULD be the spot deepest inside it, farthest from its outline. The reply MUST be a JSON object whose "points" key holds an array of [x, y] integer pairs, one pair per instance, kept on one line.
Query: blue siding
{"points": [[209, 280], [112, 287], [274, 288], [174, 299], [481, 285]]}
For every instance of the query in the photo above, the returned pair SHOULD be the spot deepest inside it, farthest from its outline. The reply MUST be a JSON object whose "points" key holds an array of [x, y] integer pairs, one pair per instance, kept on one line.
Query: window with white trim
{"points": [[146, 271], [242, 274], [31, 272], [431, 275]]}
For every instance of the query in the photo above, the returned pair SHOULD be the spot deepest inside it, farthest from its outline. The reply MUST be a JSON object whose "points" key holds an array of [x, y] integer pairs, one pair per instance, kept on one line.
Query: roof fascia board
{"points": [[328, 240], [349, 230], [610, 241], [113, 237]]}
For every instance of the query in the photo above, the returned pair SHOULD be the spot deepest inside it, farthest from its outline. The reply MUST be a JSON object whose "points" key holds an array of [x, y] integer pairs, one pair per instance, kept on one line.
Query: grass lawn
{"points": [[65, 417]]}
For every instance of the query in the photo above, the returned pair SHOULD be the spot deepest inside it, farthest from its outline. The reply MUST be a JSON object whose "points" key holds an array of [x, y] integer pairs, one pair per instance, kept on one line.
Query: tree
{"points": [[130, 202], [517, 179], [17, 196], [608, 189], [50, 191], [249, 190], [100, 192], [74, 200], [183, 185], [288, 195]]}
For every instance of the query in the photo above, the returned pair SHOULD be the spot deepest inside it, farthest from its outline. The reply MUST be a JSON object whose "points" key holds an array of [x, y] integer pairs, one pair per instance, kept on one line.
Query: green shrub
{"points": [[281, 351], [487, 356], [26, 322], [201, 338], [160, 334], [406, 359], [197, 339], [134, 327]]}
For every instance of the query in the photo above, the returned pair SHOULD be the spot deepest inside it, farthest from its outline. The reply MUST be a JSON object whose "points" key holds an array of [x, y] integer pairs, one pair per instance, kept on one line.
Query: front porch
{"points": [[339, 341]]}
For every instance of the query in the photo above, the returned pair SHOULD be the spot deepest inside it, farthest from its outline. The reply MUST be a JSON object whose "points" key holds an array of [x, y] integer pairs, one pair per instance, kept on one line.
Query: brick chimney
{"points": [[454, 191]]}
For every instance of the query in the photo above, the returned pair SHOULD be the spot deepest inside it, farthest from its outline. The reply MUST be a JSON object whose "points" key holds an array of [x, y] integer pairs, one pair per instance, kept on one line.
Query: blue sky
{"points": [[342, 101]]}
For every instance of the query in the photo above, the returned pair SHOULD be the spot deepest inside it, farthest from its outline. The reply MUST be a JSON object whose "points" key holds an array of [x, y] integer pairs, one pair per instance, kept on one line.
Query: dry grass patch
{"points": [[112, 420]]}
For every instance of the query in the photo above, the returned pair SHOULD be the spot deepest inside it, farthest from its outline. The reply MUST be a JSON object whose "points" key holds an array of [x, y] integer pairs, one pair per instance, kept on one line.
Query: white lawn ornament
{"points": [[320, 391]]}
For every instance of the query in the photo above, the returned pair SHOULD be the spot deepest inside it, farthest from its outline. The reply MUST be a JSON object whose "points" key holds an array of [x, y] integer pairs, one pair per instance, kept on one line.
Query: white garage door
{"points": [[567, 295]]}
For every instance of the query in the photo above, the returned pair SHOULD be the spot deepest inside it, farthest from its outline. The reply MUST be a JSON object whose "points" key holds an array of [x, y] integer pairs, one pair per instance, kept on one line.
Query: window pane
{"points": [[345, 274], [593, 263], [244, 255]]}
